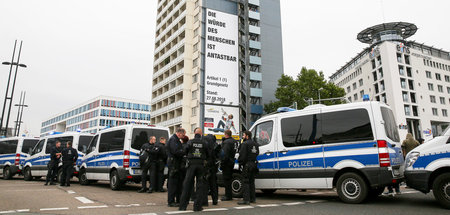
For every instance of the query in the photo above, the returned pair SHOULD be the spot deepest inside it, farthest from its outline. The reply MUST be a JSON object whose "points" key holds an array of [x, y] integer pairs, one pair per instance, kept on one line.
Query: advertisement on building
{"points": [[221, 118], [221, 58]]}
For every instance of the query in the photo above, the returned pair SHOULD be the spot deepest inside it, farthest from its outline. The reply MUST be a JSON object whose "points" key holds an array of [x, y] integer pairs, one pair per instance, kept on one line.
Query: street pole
{"points": [[18, 113], [22, 105], [6, 94]]}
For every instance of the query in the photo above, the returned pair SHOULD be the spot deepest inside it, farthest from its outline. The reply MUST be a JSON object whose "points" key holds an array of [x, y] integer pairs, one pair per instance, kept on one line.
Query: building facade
{"points": [[98, 113], [412, 78], [215, 57]]}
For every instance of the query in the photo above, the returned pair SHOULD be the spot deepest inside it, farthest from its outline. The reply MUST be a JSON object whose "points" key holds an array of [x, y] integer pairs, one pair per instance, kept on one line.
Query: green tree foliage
{"points": [[306, 85]]}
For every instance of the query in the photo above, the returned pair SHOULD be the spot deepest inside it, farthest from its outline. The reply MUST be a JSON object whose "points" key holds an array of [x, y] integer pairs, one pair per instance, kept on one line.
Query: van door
{"points": [[267, 162], [110, 152], [300, 155], [89, 158], [37, 160]]}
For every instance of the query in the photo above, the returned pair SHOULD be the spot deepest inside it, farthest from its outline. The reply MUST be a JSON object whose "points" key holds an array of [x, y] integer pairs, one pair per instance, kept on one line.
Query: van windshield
{"points": [[390, 126], [28, 145], [83, 143], [142, 135]]}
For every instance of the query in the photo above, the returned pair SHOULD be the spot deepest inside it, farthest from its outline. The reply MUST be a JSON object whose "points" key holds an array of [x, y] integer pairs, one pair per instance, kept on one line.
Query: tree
{"points": [[305, 86]]}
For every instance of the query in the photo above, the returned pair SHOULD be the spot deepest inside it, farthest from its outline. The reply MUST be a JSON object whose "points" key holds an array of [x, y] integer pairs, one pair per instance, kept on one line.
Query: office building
{"points": [[98, 113], [216, 63], [409, 76]]}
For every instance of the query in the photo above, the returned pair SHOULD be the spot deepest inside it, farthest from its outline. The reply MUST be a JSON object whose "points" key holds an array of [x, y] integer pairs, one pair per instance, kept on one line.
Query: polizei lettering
{"points": [[299, 164], [198, 145]]}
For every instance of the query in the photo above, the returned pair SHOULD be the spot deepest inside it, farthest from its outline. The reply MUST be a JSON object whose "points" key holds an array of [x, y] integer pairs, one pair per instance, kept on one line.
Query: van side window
{"points": [[112, 141], [390, 126], [263, 133], [8, 147], [92, 145], [142, 135], [52, 141], [346, 126], [300, 131], [39, 146]]}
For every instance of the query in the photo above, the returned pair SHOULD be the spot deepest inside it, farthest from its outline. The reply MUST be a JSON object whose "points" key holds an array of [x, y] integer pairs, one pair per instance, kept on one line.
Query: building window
{"points": [[407, 110], [195, 63], [376, 88], [380, 72], [195, 78], [360, 82], [435, 111], [428, 73], [382, 86], [405, 96], [348, 89], [399, 57], [355, 97], [383, 98], [354, 86], [193, 126], [194, 111], [430, 87], [438, 76], [194, 94], [415, 112], [413, 97], [444, 112], [374, 75], [361, 93], [196, 47], [447, 78], [442, 100], [401, 70], [433, 99], [440, 89], [408, 71], [403, 83], [373, 64], [411, 84], [350, 98], [448, 90], [379, 60], [407, 59]]}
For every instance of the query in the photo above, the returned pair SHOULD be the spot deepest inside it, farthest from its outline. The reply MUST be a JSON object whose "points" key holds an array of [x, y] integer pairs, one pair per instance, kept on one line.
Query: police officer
{"points": [[69, 158], [55, 155], [228, 152], [175, 155], [248, 152], [162, 159], [155, 154], [211, 169], [197, 155], [145, 162]]}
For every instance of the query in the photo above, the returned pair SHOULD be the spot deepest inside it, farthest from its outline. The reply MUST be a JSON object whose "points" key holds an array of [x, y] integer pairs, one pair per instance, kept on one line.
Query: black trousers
{"points": [[160, 175], [194, 171], [144, 175], [174, 184], [227, 172], [153, 175], [67, 171], [248, 173], [52, 171], [212, 187]]}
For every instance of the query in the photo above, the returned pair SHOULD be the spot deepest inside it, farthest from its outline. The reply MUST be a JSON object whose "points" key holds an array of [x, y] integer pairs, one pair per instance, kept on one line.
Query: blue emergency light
{"points": [[285, 109]]}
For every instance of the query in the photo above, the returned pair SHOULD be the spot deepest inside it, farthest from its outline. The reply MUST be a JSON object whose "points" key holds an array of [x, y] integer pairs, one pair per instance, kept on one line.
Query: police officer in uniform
{"points": [[248, 152], [228, 153], [155, 154], [69, 158], [175, 155], [162, 159], [145, 157], [55, 155], [197, 155], [211, 169]]}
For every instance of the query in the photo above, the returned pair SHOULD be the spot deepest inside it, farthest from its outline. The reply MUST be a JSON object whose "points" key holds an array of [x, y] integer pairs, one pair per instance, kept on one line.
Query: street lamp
{"points": [[319, 93]]}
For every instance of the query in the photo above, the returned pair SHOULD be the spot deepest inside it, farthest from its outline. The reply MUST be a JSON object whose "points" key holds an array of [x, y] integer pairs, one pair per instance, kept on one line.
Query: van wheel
{"points": [[441, 189], [7, 173], [268, 191], [27, 174], [236, 185], [114, 180], [83, 178], [352, 188]]}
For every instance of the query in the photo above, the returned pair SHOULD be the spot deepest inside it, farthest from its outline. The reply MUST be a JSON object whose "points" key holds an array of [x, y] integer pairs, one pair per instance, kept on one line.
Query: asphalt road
{"points": [[18, 196]]}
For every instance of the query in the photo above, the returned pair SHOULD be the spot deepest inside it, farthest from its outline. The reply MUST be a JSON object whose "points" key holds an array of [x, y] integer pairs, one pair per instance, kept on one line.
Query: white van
{"points": [[13, 152], [352, 147], [428, 168], [113, 154], [36, 164]]}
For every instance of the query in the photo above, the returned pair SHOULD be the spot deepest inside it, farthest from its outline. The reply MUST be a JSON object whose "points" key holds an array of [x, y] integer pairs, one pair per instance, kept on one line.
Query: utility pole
{"points": [[21, 105]]}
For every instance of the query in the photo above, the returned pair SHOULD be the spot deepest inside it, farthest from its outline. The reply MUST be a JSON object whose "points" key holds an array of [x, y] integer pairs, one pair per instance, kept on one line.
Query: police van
{"points": [[428, 168], [351, 147], [36, 164], [113, 154], [13, 152]]}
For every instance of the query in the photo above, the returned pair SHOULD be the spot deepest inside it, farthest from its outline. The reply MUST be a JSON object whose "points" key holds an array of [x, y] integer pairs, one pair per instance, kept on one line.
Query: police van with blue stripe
{"points": [[351, 147], [13, 152], [113, 154], [428, 168], [36, 164]]}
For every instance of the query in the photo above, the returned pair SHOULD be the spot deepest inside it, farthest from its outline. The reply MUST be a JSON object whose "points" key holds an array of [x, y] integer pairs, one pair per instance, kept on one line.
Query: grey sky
{"points": [[77, 50]]}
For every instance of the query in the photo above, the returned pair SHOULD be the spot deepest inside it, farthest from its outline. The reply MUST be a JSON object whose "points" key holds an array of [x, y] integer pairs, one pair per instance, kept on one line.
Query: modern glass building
{"points": [[98, 113], [213, 59]]}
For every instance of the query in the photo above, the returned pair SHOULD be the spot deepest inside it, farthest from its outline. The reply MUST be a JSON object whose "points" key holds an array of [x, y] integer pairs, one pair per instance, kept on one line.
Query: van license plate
{"points": [[137, 172], [396, 172]]}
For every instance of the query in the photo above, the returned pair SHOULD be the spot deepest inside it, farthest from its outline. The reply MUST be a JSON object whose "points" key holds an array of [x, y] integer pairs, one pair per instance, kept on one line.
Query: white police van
{"points": [[13, 152], [352, 147], [113, 154], [36, 164], [428, 168]]}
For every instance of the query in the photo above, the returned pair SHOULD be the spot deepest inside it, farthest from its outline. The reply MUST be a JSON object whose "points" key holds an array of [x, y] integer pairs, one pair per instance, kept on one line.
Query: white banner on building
{"points": [[221, 58], [221, 118]]}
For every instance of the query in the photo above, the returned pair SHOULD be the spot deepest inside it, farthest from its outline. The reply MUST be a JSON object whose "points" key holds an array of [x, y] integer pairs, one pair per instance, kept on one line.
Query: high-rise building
{"points": [[216, 63], [98, 113], [412, 78]]}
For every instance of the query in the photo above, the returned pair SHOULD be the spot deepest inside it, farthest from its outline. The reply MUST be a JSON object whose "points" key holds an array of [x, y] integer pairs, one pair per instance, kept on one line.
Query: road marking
{"points": [[70, 191], [144, 214], [293, 203], [152, 204], [268, 205], [53, 209], [30, 190], [244, 207], [216, 209], [409, 192], [84, 200], [127, 206], [318, 193], [23, 210], [91, 207], [315, 201], [178, 212], [7, 212]]}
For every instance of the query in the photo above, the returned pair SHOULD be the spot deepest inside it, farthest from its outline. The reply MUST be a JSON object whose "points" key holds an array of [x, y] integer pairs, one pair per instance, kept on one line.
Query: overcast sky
{"points": [[77, 50]]}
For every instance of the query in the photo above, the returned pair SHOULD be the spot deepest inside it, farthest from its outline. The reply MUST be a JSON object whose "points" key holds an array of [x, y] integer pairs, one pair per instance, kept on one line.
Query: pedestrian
{"points": [[55, 155], [175, 155], [227, 159], [162, 160], [409, 144], [155, 153], [197, 155], [144, 159], [69, 159], [211, 170], [248, 152]]}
